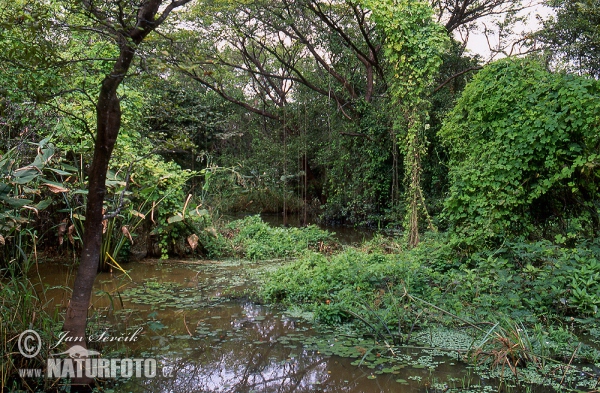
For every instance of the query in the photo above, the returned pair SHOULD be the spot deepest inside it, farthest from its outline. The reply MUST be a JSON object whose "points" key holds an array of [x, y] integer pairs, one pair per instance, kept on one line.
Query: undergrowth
{"points": [[523, 302], [532, 282], [22, 307], [251, 238]]}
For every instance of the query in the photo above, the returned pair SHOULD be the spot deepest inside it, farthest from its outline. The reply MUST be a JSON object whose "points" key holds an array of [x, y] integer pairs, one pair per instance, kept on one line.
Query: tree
{"points": [[127, 24], [414, 46], [266, 48], [27, 56], [463, 14], [269, 51], [572, 34], [523, 145], [331, 47]]}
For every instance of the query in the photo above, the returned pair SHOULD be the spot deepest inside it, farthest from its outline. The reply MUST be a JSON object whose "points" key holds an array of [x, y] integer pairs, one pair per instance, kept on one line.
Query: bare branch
{"points": [[226, 96], [174, 4], [354, 134]]}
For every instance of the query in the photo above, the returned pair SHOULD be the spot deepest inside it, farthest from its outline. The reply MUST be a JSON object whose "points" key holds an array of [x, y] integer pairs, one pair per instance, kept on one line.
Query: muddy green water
{"points": [[204, 341]]}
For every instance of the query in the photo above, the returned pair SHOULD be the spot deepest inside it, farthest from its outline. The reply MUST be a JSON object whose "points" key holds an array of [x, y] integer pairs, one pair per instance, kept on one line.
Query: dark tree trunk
{"points": [[108, 112]]}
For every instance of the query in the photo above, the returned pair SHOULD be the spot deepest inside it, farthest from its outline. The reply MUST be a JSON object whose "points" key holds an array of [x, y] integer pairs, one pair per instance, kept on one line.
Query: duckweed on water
{"points": [[447, 339], [168, 294], [205, 286]]}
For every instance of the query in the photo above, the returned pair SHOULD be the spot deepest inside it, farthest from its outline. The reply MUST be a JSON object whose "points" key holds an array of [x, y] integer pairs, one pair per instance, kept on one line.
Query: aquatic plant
{"points": [[513, 299]]}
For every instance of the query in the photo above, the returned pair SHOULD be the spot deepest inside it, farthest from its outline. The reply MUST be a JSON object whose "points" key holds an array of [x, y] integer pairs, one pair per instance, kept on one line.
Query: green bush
{"points": [[525, 281], [256, 240], [554, 279], [524, 147], [349, 284]]}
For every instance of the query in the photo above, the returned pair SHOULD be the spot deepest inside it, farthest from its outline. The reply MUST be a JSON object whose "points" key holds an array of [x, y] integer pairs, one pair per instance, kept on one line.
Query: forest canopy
{"points": [[314, 108]]}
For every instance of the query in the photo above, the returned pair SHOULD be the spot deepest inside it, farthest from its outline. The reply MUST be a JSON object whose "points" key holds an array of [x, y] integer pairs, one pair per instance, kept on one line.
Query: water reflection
{"points": [[226, 346], [250, 349], [211, 344]]}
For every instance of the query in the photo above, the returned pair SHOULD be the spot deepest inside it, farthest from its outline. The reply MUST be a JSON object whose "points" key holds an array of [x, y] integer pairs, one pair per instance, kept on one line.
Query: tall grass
{"points": [[23, 307]]}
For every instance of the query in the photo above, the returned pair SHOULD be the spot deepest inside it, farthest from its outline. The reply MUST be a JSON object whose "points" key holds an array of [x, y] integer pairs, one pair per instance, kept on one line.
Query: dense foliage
{"points": [[571, 35], [364, 113], [414, 47], [523, 145], [550, 282]]}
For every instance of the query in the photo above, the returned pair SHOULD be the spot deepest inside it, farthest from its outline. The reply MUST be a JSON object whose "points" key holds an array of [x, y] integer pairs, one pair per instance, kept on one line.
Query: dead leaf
{"points": [[193, 241], [140, 215], [55, 189], [62, 228], [2, 242], [31, 208], [125, 231], [104, 222], [70, 234]]}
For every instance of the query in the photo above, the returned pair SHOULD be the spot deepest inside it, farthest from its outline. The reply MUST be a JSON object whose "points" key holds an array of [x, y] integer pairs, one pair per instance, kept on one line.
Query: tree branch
{"points": [[226, 96], [455, 76], [356, 135]]}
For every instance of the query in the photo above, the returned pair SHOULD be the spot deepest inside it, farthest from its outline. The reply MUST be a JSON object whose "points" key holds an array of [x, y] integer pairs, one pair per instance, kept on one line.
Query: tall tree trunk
{"points": [[108, 112], [128, 35]]}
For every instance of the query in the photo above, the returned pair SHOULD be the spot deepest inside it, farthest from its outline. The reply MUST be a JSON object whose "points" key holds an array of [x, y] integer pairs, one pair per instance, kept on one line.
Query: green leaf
{"points": [[26, 179], [174, 219], [15, 202], [60, 172], [43, 204]]}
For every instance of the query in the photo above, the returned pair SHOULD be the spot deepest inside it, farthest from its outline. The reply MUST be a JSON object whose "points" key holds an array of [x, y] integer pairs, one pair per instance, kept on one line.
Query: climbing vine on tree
{"points": [[414, 45], [524, 150]]}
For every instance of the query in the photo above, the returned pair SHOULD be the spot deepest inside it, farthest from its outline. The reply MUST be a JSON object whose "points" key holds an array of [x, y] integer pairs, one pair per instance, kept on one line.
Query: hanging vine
{"points": [[414, 45]]}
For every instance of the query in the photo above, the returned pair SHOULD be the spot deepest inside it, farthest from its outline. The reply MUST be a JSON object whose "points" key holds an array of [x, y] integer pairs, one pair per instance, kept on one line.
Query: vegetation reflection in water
{"points": [[200, 325], [235, 345]]}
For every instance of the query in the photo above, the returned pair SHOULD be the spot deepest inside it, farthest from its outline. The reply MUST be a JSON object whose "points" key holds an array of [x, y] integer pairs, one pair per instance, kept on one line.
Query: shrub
{"points": [[524, 281], [523, 146], [255, 239]]}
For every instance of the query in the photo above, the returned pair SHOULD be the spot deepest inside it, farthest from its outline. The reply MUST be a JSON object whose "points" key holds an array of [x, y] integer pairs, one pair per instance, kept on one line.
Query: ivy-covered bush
{"points": [[524, 148]]}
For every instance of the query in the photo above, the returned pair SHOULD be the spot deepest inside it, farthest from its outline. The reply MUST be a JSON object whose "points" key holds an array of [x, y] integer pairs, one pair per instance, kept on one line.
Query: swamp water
{"points": [[206, 340]]}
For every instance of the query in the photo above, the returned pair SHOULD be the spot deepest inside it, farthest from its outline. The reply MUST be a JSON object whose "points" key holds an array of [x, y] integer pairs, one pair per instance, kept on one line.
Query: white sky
{"points": [[479, 44]]}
